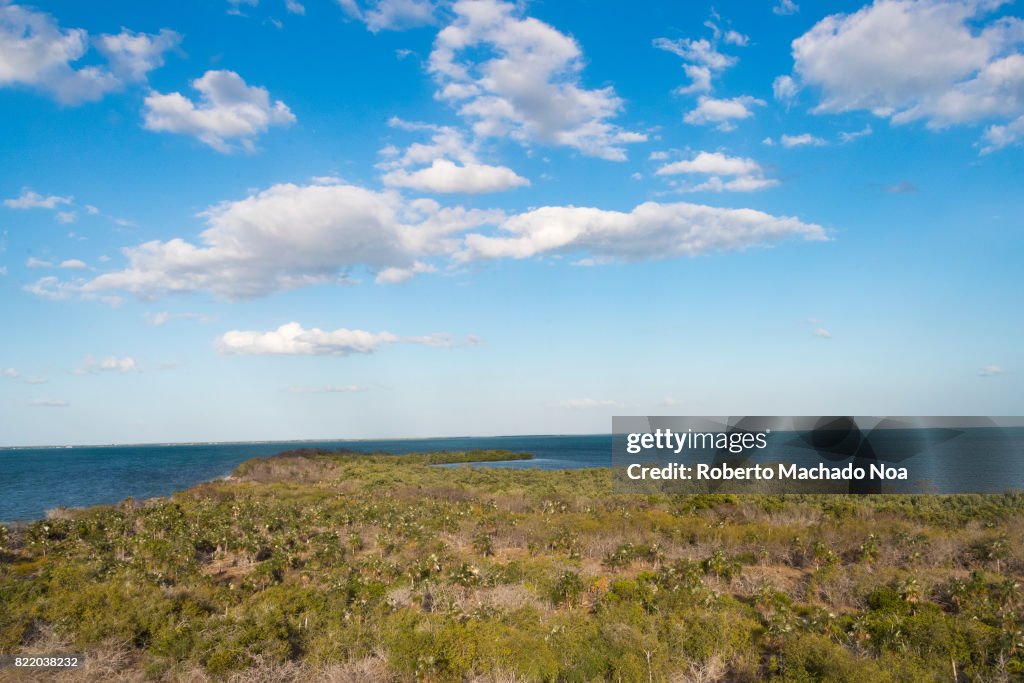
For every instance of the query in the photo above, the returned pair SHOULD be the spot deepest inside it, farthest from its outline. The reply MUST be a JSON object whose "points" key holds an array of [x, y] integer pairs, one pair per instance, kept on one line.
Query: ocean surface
{"points": [[34, 480]]}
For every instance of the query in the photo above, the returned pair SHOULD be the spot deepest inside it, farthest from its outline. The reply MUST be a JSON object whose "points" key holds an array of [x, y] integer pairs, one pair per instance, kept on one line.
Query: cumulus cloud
{"points": [[944, 62], [444, 176], [802, 140], [520, 78], [92, 365], [999, 136], [33, 262], [784, 89], [9, 373], [822, 333], [290, 236], [701, 61], [785, 8], [649, 231], [73, 264], [33, 200], [452, 165], [991, 371], [133, 55], [391, 15], [51, 288], [722, 112], [725, 173], [36, 52], [291, 339], [228, 110], [395, 275]]}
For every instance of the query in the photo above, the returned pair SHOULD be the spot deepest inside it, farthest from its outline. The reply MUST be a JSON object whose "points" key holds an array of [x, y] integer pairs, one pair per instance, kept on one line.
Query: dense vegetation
{"points": [[315, 566]]}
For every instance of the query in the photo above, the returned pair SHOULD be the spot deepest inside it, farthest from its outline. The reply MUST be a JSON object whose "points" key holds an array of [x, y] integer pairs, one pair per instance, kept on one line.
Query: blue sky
{"points": [[338, 218]]}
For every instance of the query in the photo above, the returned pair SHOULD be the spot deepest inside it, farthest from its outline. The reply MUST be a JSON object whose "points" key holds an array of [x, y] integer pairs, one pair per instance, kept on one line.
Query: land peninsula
{"points": [[338, 566]]}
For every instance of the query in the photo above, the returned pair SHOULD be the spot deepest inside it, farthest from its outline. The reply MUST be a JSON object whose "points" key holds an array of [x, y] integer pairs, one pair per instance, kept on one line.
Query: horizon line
{"points": [[230, 442]]}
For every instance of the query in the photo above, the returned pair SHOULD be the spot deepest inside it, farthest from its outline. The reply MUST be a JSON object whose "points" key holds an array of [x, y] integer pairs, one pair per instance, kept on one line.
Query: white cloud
{"points": [[394, 275], [702, 60], [802, 140], [48, 403], [66, 217], [786, 7], [944, 62], [36, 52], [133, 55], [294, 7], [991, 371], [72, 263], [712, 163], [9, 373], [51, 288], [444, 176], [997, 137], [447, 164], [291, 236], [391, 15], [851, 135], [33, 262], [658, 156], [649, 231], [36, 380], [328, 389], [235, 6], [736, 38], [722, 112], [33, 200], [520, 78], [822, 333], [227, 110], [587, 403], [161, 318], [91, 210], [292, 339], [784, 89], [902, 187], [745, 174], [92, 365]]}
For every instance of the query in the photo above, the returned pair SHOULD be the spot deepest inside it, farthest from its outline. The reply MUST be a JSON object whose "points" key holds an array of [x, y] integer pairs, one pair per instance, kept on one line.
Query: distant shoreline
{"points": [[292, 441]]}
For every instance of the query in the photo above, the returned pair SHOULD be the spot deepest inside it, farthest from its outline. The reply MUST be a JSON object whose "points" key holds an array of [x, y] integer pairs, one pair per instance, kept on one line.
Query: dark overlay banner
{"points": [[856, 455]]}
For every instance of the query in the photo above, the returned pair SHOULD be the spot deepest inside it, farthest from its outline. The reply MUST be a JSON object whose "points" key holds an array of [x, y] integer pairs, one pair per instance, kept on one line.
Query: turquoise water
{"points": [[34, 480]]}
